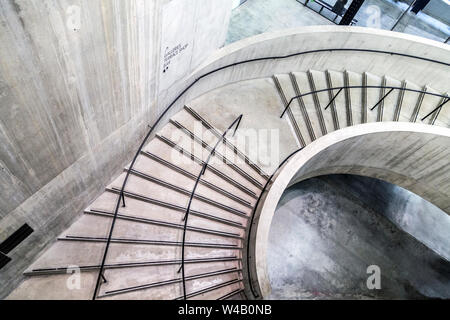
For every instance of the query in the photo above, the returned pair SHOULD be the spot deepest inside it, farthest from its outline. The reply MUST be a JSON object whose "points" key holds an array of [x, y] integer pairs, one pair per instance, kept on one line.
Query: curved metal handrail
{"points": [[368, 87], [161, 116], [236, 122], [249, 231]]}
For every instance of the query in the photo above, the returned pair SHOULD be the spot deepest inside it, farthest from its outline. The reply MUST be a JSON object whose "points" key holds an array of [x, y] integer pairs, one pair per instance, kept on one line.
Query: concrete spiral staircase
{"points": [[145, 254]]}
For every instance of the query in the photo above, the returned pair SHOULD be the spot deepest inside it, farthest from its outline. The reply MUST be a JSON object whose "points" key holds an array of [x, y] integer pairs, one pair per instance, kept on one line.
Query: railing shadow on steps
{"points": [[121, 197]]}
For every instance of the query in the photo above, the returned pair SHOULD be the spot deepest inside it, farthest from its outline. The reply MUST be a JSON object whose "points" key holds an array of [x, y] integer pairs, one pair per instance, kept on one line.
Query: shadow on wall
{"points": [[328, 230]]}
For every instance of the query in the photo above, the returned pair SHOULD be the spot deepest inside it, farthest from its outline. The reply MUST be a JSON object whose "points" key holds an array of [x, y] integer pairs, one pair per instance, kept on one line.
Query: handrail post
{"points": [[123, 198], [237, 126], [381, 100], [287, 106], [331, 101], [437, 108]]}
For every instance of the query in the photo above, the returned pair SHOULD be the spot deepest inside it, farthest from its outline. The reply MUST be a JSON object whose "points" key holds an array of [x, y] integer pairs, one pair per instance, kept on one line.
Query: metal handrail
{"points": [[236, 122], [367, 87], [161, 116], [253, 216], [445, 97]]}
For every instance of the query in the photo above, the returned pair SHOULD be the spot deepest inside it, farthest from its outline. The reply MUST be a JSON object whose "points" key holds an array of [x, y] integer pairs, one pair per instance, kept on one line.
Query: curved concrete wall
{"points": [[411, 155], [327, 230]]}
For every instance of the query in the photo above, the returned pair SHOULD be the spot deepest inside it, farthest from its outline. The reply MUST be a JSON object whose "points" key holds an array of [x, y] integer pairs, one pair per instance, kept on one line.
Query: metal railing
{"points": [[236, 123], [121, 197], [443, 96], [327, 6]]}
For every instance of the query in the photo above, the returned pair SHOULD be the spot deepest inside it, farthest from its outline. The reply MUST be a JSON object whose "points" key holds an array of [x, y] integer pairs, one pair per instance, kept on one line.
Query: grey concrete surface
{"points": [[258, 16], [406, 210], [323, 238], [384, 14]]}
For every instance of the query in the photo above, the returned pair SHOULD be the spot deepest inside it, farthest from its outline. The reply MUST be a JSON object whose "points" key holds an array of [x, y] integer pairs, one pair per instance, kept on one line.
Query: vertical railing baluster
{"points": [[381, 100], [236, 123]]}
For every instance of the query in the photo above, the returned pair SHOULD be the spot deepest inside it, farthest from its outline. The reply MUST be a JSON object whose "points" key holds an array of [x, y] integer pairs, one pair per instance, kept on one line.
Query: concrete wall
{"points": [[403, 208], [327, 230], [80, 80], [439, 10], [410, 155]]}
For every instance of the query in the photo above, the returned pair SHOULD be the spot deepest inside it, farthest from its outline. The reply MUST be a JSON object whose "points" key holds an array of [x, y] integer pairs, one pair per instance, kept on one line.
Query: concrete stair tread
{"points": [[221, 155], [99, 226], [159, 149], [409, 101], [170, 291], [318, 81], [187, 121], [336, 79], [141, 209], [443, 117], [354, 95], [220, 292], [308, 100], [140, 186], [231, 149], [196, 223], [140, 278], [429, 103], [201, 153], [155, 169], [391, 100], [255, 95], [210, 290], [286, 94], [78, 253], [373, 96], [55, 287]]}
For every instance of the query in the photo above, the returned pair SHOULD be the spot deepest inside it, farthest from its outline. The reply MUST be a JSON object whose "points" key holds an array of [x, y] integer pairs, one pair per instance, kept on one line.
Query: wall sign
{"points": [[171, 53], [177, 37]]}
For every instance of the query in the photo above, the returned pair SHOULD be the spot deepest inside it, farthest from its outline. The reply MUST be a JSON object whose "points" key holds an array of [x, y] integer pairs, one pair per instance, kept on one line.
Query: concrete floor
{"points": [[257, 16], [383, 14], [340, 231]]}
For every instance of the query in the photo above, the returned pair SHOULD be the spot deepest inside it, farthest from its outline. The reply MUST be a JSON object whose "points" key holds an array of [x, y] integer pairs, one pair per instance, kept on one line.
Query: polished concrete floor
{"points": [[327, 231], [383, 14], [257, 16]]}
